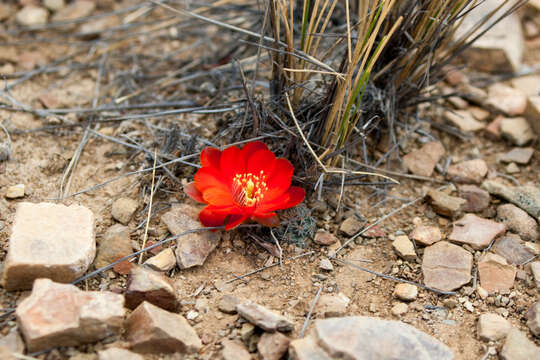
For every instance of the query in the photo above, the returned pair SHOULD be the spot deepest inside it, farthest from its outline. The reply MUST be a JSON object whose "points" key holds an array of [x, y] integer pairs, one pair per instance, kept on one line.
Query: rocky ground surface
{"points": [[454, 273]]}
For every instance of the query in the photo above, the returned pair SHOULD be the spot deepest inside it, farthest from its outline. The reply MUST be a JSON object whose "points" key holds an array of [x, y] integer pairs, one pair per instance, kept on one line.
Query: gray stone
{"points": [[152, 286], [512, 249], [123, 210], [517, 130], [49, 241], [519, 221], [518, 347], [192, 249], [468, 172], [533, 319], [518, 155], [62, 315], [422, 161], [150, 329], [234, 350], [477, 199], [115, 244], [272, 346], [116, 353], [446, 266], [446, 205], [492, 327], [525, 197], [360, 337], [264, 318], [476, 231]]}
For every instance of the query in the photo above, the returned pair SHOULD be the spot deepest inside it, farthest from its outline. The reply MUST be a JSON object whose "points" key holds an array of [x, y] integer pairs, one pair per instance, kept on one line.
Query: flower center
{"points": [[249, 189]]}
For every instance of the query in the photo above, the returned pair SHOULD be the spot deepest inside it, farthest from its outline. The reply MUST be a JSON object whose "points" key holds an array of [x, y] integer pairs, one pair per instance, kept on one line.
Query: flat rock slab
{"points": [[446, 266], [495, 273], [468, 172], [150, 329], [477, 199], [525, 197], [518, 155], [152, 286], [533, 319], [192, 249], [426, 235], [423, 161], [476, 231], [49, 241], [264, 318], [446, 205], [62, 315], [512, 249], [361, 337]]}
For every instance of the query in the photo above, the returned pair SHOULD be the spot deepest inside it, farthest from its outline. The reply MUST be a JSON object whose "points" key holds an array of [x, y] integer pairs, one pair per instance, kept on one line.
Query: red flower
{"points": [[241, 184]]}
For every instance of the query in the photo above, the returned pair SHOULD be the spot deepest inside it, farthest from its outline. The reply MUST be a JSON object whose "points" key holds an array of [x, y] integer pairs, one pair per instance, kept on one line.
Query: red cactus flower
{"points": [[241, 184]]}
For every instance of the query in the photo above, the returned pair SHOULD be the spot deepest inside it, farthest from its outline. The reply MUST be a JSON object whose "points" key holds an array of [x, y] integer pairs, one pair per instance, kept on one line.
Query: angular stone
{"points": [[422, 161], [518, 155], [512, 168], [446, 266], [446, 205], [477, 199], [272, 346], [350, 226], [361, 337], [493, 130], [518, 347], [325, 238], [399, 309], [476, 231], [123, 210], [526, 197], [517, 130], [495, 273], [404, 248], [533, 319], [264, 318], [492, 327], [77, 9], [529, 84], [12, 341], [49, 241], [426, 235], [62, 315], [192, 249], [115, 244], [405, 292], [31, 15], [506, 99], [15, 191], [535, 269], [326, 264], [518, 221], [234, 350], [532, 112], [464, 120], [228, 303], [148, 285], [116, 353], [332, 305], [511, 248], [150, 329], [468, 172], [164, 261]]}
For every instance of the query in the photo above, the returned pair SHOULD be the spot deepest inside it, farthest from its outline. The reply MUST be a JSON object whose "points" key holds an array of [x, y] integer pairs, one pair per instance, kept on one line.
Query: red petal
{"points": [[294, 196], [218, 197], [271, 221], [235, 220], [210, 157], [280, 180], [262, 160], [209, 177], [232, 162], [192, 191], [253, 147], [209, 218]]}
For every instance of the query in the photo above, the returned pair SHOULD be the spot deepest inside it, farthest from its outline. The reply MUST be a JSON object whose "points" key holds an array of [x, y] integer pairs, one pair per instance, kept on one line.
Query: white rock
{"points": [[492, 327], [31, 15], [15, 191], [54, 5]]}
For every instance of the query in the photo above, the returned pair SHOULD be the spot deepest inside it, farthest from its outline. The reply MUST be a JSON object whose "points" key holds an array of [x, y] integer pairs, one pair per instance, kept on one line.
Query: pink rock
{"points": [[493, 130], [464, 120], [506, 99], [272, 346], [476, 231], [325, 238], [446, 266], [426, 235], [150, 329], [423, 161], [62, 315], [154, 287], [49, 241], [234, 350], [468, 172], [495, 273], [477, 199]]}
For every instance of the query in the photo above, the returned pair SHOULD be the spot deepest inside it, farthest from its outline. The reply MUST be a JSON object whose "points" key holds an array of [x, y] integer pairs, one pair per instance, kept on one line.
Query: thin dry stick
{"points": [[149, 205], [308, 317], [279, 248]]}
